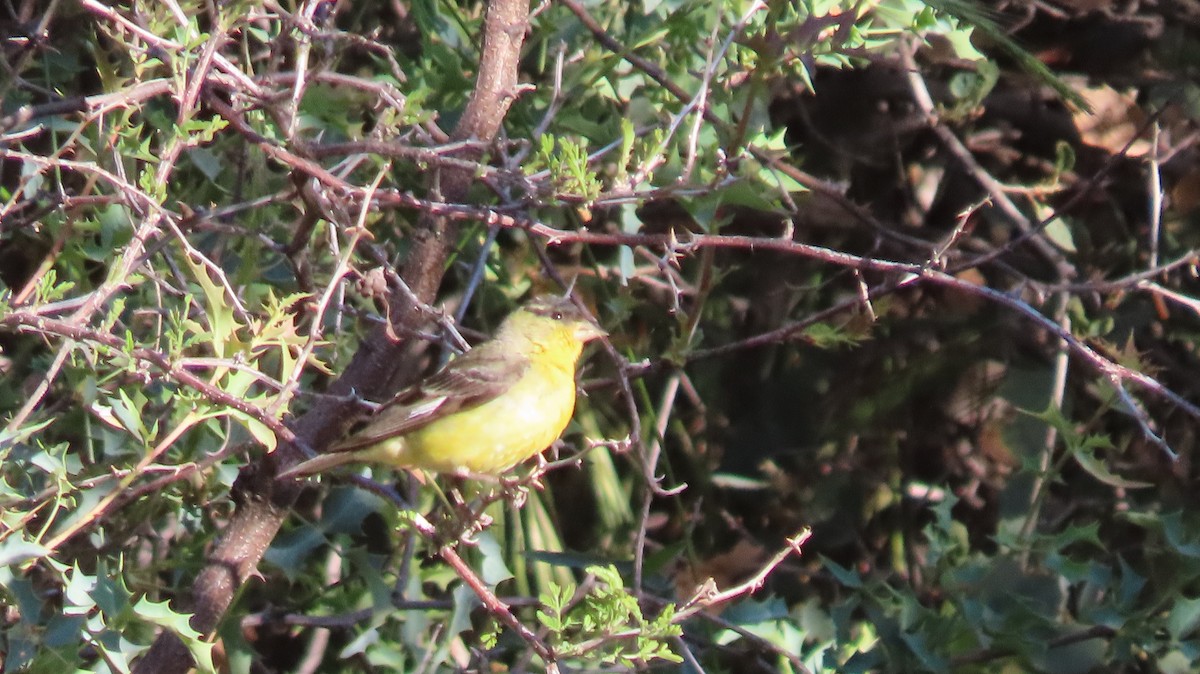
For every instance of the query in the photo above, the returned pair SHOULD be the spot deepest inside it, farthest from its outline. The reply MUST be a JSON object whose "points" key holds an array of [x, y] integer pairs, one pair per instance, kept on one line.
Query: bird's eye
{"points": [[556, 315]]}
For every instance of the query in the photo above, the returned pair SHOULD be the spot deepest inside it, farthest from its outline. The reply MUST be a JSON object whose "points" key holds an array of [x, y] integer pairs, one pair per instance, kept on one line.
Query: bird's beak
{"points": [[587, 331]]}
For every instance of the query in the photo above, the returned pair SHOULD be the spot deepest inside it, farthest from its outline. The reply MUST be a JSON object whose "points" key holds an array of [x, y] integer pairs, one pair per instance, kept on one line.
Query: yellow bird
{"points": [[485, 411]]}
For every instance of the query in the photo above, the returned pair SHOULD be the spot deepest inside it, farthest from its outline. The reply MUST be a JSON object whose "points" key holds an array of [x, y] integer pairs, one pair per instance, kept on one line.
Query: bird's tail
{"points": [[320, 464]]}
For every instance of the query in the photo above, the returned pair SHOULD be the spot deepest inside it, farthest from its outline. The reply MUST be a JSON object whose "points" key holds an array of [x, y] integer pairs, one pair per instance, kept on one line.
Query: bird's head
{"points": [[549, 320]]}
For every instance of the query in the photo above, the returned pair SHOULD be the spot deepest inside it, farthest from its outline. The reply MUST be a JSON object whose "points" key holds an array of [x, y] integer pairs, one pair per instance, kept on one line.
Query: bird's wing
{"points": [[480, 375]]}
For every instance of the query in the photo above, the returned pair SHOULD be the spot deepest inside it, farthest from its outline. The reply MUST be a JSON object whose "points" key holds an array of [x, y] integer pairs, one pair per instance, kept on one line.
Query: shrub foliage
{"points": [[901, 297]]}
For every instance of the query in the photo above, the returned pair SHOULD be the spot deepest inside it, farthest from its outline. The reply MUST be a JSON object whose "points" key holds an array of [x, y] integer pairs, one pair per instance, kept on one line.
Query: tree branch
{"points": [[377, 369]]}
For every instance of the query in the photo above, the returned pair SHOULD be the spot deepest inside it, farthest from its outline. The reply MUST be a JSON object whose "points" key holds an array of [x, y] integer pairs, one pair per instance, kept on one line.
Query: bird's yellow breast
{"points": [[501, 433]]}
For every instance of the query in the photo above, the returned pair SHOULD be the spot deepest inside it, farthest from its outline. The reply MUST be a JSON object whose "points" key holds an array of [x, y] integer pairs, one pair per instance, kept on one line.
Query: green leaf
{"points": [[465, 601], [1184, 537], [291, 550], [1060, 234], [846, 577], [159, 613], [15, 551], [1184, 618], [222, 325], [111, 594], [494, 570], [1087, 459], [359, 645], [77, 593]]}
